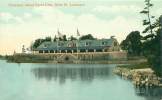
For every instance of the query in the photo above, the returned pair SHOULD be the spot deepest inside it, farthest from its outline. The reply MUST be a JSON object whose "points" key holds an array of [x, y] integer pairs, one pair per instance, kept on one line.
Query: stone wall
{"points": [[65, 57]]}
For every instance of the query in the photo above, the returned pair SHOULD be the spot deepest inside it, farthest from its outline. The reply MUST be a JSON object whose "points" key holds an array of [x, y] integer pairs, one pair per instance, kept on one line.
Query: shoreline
{"points": [[78, 62], [82, 58], [142, 77]]}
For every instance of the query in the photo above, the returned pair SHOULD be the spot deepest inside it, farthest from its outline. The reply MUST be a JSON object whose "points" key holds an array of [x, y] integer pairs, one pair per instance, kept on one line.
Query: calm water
{"points": [[67, 82]]}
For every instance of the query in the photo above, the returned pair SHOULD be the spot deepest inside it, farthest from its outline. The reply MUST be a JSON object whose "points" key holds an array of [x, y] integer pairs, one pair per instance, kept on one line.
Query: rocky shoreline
{"points": [[139, 77]]}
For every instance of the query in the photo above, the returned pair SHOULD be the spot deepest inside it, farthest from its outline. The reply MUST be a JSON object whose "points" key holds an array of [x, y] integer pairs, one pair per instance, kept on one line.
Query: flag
{"points": [[78, 34]]}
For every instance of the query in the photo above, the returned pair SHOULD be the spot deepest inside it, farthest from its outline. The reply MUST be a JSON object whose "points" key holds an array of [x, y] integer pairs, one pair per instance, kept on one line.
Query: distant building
{"points": [[79, 46], [75, 51]]}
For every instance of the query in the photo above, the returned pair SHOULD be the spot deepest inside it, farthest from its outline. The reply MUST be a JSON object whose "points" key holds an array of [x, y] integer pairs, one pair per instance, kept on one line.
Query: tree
{"points": [[132, 43], [37, 42], [64, 38], [148, 22], [152, 48], [89, 36], [72, 38], [55, 39], [151, 45], [48, 39]]}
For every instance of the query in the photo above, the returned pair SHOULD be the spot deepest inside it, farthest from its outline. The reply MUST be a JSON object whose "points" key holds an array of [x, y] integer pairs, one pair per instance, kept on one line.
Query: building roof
{"points": [[76, 44]]}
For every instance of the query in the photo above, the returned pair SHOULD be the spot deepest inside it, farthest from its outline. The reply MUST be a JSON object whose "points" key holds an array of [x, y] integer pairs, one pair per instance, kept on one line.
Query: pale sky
{"points": [[101, 18]]}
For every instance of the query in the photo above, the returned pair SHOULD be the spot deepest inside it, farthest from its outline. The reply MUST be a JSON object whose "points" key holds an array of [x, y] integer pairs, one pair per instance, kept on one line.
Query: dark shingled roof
{"points": [[64, 45]]}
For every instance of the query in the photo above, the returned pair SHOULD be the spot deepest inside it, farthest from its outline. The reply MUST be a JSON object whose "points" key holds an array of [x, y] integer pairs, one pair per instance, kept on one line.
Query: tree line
{"points": [[149, 44]]}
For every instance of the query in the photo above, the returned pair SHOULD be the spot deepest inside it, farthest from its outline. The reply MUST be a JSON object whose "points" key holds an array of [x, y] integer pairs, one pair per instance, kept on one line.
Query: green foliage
{"points": [[152, 51], [72, 38], [132, 43], [89, 36], [151, 45], [147, 22], [48, 39], [151, 48], [55, 39], [2, 57], [135, 66], [38, 42], [64, 38], [144, 12]]}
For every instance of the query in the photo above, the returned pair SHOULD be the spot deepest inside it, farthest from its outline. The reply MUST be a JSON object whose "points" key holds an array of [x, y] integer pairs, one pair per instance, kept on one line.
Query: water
{"points": [[67, 82]]}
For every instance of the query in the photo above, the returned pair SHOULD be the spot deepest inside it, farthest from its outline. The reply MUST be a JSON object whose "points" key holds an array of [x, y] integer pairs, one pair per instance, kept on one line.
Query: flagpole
{"points": [[56, 45], [77, 47], [78, 34], [59, 37]]}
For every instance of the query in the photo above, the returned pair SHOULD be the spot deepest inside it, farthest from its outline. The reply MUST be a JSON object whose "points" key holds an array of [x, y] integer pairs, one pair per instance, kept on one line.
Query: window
{"points": [[99, 50], [90, 50], [71, 44], [63, 51], [51, 51], [46, 51], [87, 43], [69, 51], [103, 43], [41, 51], [45, 45], [82, 50]]}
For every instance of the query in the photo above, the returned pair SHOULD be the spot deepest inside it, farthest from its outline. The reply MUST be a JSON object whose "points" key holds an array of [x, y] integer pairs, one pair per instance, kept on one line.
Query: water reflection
{"points": [[82, 73], [89, 73], [149, 93], [78, 82]]}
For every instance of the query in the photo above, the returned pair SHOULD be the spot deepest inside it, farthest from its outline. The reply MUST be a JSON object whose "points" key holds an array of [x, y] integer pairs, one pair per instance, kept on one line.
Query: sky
{"points": [[21, 24]]}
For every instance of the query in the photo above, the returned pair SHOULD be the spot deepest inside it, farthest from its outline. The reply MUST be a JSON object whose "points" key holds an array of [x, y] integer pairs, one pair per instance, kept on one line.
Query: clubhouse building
{"points": [[78, 46]]}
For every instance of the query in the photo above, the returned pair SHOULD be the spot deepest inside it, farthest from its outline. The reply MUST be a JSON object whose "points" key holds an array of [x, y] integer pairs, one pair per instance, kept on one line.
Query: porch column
{"points": [[86, 50], [94, 50]]}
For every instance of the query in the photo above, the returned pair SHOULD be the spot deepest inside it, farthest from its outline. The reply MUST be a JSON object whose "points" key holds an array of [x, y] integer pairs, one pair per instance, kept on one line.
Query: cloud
{"points": [[7, 17], [157, 12], [89, 24], [49, 20], [27, 15]]}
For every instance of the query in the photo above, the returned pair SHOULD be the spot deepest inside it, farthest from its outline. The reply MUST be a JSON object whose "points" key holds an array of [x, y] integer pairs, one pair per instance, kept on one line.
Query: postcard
{"points": [[80, 50]]}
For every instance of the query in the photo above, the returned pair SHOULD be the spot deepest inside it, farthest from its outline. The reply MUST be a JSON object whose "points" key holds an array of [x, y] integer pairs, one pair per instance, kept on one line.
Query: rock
{"points": [[139, 77]]}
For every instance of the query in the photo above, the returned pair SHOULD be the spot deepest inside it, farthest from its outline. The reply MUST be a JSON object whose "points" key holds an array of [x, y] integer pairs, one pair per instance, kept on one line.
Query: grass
{"points": [[2, 57], [136, 66]]}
